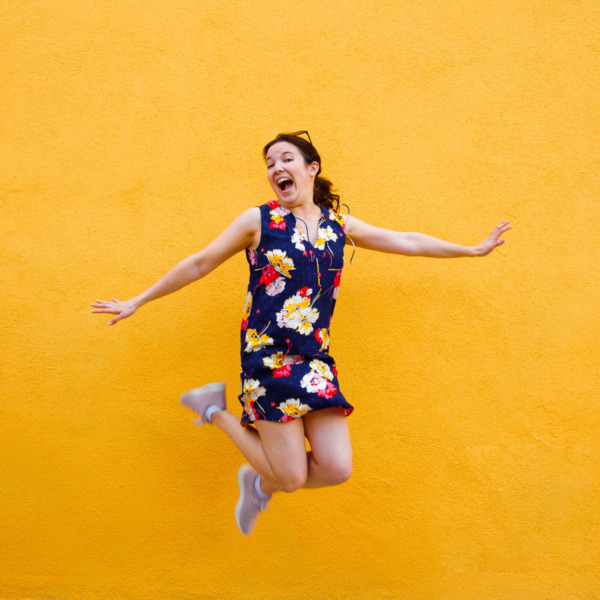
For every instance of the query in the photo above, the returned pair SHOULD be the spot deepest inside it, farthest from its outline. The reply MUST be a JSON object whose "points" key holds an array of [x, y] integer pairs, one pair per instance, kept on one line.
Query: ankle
{"points": [[213, 409], [216, 416], [266, 487]]}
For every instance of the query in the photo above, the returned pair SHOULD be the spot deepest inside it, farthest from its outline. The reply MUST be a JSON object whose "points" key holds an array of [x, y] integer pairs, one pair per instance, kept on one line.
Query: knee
{"points": [[291, 481], [341, 472], [338, 470]]}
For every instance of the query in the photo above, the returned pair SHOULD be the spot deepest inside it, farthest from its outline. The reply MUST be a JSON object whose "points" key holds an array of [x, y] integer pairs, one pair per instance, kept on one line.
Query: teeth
{"points": [[283, 179]]}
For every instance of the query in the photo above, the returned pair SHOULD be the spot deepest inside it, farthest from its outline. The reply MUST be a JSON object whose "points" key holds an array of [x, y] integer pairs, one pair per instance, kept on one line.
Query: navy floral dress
{"points": [[286, 367]]}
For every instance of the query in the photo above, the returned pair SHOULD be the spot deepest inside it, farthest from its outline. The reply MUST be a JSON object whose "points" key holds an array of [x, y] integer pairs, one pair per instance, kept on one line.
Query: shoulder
{"points": [[250, 218]]}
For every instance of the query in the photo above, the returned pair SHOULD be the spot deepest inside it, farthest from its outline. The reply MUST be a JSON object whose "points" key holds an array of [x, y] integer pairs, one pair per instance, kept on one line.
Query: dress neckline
{"points": [[305, 235]]}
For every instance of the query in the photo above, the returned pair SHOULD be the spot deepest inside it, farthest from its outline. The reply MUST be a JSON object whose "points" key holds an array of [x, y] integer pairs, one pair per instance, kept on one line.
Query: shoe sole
{"points": [[209, 387], [240, 502]]}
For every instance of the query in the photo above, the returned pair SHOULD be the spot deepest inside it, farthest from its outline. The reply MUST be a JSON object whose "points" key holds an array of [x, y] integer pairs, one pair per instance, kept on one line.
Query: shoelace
{"points": [[259, 503]]}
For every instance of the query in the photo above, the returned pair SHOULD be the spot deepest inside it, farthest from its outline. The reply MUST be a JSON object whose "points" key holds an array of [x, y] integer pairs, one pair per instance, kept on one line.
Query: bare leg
{"points": [[330, 458], [247, 440], [277, 450]]}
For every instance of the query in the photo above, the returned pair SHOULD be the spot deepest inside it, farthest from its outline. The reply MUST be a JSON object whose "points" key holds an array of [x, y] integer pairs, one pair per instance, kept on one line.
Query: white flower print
{"points": [[307, 317], [337, 218], [280, 211], [314, 382], [252, 390], [325, 235], [275, 361], [256, 341], [322, 368], [297, 313], [281, 262], [322, 336], [276, 287], [293, 407], [298, 238], [279, 359]]}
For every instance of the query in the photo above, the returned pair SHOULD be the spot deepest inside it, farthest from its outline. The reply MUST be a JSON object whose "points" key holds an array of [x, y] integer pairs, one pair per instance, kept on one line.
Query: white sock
{"points": [[210, 411], [259, 491]]}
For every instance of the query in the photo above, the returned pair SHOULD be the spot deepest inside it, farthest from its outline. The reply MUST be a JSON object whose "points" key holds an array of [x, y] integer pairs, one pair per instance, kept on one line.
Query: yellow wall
{"points": [[131, 136]]}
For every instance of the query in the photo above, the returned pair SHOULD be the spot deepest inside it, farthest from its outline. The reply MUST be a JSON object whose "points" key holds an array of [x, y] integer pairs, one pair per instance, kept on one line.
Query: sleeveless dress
{"points": [[286, 367]]}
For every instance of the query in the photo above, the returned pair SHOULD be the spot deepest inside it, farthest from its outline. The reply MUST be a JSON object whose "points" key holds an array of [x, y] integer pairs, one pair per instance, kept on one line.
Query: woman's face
{"points": [[290, 177]]}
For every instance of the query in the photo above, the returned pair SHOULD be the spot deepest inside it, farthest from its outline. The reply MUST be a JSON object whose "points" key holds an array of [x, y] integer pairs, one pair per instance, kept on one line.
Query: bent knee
{"points": [[291, 482], [340, 472], [335, 469]]}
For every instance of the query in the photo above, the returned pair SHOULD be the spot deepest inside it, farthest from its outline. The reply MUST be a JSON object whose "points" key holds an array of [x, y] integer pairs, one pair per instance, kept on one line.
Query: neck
{"points": [[306, 210]]}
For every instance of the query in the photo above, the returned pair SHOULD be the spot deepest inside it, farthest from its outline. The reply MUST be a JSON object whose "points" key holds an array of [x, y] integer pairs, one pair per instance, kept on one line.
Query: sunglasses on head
{"points": [[298, 134]]}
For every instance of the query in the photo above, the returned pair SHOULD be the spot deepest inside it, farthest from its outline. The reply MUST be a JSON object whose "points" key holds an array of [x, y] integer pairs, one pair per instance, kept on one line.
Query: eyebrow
{"points": [[284, 152]]}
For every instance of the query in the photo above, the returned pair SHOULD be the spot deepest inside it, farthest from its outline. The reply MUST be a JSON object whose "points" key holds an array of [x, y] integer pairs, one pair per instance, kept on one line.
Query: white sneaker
{"points": [[199, 399], [250, 504]]}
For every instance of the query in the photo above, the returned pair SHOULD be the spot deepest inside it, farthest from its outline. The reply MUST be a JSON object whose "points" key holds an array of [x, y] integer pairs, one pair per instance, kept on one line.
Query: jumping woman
{"points": [[289, 387]]}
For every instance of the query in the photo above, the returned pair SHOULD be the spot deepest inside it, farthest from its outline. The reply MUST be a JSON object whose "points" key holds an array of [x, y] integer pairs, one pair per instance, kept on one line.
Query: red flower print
{"points": [[302, 292], [274, 225], [334, 370], [269, 274], [338, 278], [284, 371], [273, 204], [244, 324], [286, 418], [251, 411], [329, 391]]}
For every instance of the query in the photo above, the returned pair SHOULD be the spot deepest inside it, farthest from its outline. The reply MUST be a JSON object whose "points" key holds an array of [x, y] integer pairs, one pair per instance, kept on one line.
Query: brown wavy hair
{"points": [[323, 193]]}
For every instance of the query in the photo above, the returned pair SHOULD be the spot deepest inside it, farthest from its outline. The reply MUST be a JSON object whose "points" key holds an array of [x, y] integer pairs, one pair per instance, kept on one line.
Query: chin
{"points": [[286, 201]]}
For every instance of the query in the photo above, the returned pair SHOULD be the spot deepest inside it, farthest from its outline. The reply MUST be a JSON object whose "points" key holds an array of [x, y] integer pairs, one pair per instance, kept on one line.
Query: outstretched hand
{"points": [[116, 307], [493, 241]]}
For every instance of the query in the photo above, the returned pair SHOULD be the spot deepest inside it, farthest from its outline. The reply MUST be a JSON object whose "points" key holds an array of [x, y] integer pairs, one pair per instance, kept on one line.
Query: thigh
{"points": [[284, 446], [329, 436]]}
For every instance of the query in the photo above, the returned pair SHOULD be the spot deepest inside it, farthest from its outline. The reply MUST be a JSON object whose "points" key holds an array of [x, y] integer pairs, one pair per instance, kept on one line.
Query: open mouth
{"points": [[285, 184]]}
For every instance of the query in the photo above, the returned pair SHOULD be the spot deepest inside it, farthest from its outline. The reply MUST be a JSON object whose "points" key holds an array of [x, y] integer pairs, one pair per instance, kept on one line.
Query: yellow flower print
{"points": [[281, 263], [275, 361], [325, 235], [333, 216], [320, 367], [279, 359], [293, 408], [256, 341], [322, 336], [247, 306], [307, 318], [252, 390], [297, 313]]}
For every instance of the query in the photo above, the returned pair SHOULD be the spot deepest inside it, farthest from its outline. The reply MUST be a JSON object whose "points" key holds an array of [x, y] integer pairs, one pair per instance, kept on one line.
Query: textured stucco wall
{"points": [[131, 136]]}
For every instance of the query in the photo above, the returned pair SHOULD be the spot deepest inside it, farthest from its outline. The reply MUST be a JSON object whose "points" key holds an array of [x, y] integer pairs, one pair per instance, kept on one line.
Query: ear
{"points": [[314, 168]]}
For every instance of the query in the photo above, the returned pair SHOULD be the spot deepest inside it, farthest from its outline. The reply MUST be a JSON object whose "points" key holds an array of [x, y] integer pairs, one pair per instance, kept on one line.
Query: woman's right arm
{"points": [[242, 233]]}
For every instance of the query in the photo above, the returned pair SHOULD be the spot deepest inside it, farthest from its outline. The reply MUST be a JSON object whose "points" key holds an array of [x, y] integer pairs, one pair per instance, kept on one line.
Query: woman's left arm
{"points": [[418, 244]]}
